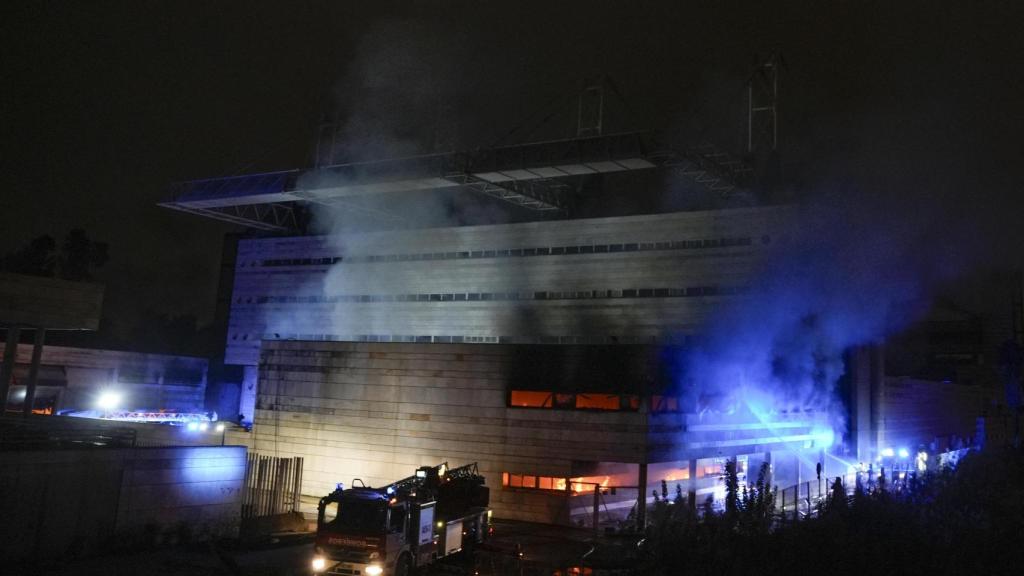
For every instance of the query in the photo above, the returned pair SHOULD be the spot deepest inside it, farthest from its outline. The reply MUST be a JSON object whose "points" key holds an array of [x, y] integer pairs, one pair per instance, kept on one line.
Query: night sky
{"points": [[105, 104]]}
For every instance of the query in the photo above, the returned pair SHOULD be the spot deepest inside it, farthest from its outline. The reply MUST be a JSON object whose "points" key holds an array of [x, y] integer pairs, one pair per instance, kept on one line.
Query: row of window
{"points": [[688, 292], [532, 482], [521, 252], [381, 338], [679, 339], [590, 401]]}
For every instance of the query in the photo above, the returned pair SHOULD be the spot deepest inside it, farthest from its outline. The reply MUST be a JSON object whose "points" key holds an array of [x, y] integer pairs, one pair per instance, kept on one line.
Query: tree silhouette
{"points": [[79, 255], [35, 258], [77, 258]]}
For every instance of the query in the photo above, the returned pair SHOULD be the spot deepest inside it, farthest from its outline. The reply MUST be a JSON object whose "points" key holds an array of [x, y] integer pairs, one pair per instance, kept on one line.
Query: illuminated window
{"points": [[565, 400], [530, 399], [598, 401], [529, 482], [583, 401]]}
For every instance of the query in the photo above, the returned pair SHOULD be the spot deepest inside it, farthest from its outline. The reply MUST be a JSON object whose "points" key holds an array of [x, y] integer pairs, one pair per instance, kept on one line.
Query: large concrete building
{"points": [[538, 349], [543, 349]]}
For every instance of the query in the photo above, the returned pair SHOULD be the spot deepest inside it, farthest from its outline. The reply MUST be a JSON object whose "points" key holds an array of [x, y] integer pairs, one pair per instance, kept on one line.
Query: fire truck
{"points": [[390, 531]]}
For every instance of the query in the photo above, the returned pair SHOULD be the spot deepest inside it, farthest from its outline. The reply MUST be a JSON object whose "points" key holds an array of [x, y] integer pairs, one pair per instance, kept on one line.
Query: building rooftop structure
{"points": [[534, 176]]}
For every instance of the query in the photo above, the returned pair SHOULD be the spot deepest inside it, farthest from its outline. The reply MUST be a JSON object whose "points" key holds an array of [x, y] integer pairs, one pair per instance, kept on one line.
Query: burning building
{"points": [[570, 357], [549, 350]]}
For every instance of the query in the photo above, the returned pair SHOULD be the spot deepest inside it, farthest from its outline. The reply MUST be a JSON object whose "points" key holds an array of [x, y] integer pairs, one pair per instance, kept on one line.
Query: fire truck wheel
{"points": [[404, 566]]}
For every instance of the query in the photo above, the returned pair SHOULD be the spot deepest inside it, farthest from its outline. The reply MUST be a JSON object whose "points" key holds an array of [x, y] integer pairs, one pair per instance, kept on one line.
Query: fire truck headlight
{"points": [[319, 563], [373, 570]]}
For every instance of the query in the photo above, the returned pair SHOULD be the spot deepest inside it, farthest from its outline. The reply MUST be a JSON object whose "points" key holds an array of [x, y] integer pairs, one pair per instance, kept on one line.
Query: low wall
{"points": [[147, 434], [71, 502], [196, 487]]}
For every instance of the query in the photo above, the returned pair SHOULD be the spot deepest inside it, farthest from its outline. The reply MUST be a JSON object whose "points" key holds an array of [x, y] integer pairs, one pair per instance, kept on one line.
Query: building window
{"points": [[530, 399], [582, 401], [598, 401], [530, 482], [664, 404]]}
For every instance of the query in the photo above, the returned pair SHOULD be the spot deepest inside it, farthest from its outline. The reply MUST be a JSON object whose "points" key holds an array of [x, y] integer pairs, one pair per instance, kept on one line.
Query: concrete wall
{"points": [[71, 502], [146, 434], [199, 487], [610, 280], [377, 411]]}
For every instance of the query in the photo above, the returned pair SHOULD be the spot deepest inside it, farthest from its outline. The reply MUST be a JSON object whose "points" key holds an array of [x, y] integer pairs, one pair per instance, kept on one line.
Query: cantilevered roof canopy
{"points": [[534, 176]]}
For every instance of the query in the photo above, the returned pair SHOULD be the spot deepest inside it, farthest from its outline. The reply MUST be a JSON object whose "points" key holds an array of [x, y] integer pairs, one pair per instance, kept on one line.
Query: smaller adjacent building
{"points": [[73, 379]]}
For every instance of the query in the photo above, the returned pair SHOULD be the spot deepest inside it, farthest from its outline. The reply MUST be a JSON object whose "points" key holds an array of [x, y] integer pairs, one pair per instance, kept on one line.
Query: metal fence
{"points": [[801, 500], [272, 485]]}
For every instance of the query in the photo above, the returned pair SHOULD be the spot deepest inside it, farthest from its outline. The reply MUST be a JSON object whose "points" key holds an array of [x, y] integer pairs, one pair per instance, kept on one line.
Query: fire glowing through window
{"points": [[589, 401]]}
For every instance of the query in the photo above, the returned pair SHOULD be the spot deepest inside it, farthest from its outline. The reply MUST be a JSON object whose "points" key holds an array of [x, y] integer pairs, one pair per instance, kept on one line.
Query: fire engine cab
{"points": [[389, 531]]}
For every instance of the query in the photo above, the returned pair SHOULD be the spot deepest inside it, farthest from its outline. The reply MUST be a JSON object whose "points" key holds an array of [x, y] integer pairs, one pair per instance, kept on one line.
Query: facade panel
{"points": [[639, 279]]}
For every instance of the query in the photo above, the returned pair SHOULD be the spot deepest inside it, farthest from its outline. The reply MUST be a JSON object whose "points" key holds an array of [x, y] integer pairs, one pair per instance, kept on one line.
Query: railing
{"points": [[272, 485], [802, 500]]}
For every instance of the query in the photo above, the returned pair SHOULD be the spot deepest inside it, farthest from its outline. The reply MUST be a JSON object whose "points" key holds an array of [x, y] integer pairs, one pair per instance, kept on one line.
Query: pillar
{"points": [[247, 400], [10, 353], [796, 489], [33, 374], [641, 498], [691, 491]]}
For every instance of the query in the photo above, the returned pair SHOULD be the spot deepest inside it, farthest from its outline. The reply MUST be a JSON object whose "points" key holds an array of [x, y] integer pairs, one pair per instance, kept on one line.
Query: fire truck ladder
{"points": [[467, 471]]}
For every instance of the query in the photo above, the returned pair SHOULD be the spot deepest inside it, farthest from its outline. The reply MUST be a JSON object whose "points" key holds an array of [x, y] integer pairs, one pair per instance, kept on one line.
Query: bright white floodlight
{"points": [[109, 400]]}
